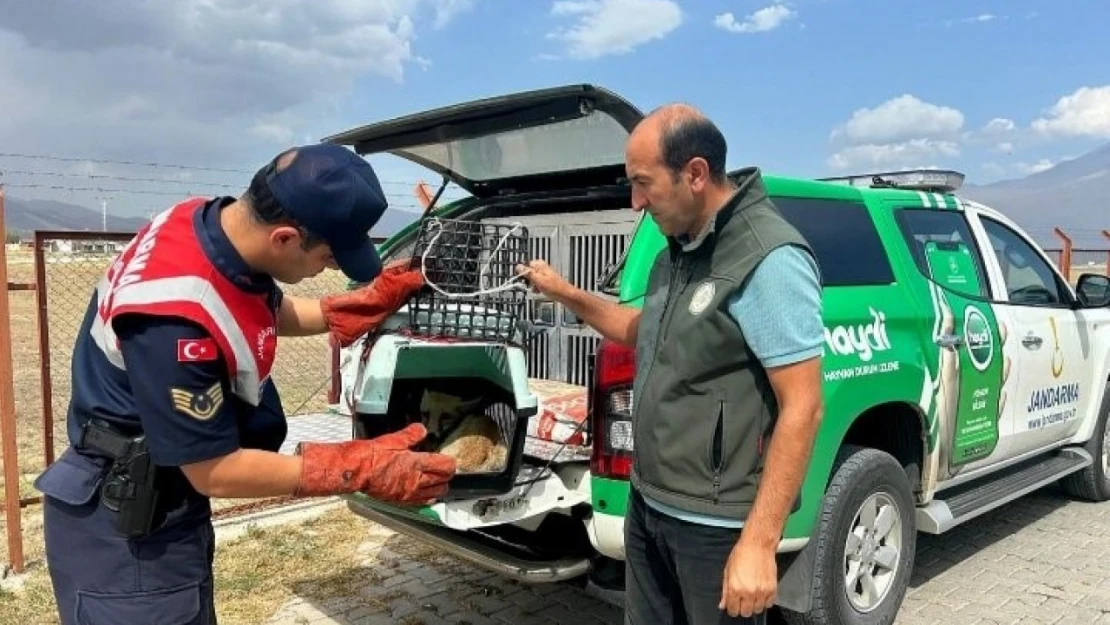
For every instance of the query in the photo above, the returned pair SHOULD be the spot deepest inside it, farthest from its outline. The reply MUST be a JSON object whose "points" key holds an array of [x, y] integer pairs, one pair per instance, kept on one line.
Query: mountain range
{"points": [[1073, 195]]}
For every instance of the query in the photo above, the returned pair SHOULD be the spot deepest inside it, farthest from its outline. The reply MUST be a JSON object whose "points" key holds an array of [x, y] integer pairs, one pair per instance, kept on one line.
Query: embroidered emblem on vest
{"points": [[700, 301]]}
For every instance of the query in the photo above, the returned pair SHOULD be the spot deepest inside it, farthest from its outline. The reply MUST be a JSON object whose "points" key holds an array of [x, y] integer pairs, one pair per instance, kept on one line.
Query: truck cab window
{"points": [[845, 241], [927, 228], [1029, 279]]}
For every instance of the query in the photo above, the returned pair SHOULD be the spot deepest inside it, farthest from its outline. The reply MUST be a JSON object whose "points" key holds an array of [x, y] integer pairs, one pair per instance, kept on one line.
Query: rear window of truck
{"points": [[843, 237]]}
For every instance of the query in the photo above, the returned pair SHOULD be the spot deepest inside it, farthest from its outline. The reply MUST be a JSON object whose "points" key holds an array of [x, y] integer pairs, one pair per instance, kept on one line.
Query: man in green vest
{"points": [[727, 396]]}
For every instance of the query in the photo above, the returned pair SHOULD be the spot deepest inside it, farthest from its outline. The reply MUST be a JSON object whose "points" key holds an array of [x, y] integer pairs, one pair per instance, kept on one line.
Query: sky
{"points": [[994, 88]]}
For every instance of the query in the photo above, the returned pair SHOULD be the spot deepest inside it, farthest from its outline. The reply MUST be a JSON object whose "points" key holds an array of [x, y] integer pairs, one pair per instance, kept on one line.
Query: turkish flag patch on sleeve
{"points": [[196, 350]]}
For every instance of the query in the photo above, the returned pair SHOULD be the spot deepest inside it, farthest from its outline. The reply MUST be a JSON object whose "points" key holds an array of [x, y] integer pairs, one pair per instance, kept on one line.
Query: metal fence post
{"points": [[12, 508], [1106, 233], [45, 381], [1065, 254]]}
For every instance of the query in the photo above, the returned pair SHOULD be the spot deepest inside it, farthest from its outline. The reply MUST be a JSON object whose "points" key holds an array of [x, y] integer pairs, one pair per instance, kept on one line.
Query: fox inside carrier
{"points": [[454, 359]]}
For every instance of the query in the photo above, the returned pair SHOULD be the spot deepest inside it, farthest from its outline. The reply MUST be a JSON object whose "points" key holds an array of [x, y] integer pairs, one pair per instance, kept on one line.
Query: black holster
{"points": [[130, 488]]}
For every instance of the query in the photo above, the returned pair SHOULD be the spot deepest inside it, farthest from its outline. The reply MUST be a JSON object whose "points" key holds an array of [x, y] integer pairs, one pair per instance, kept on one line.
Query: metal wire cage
{"points": [[473, 290]]}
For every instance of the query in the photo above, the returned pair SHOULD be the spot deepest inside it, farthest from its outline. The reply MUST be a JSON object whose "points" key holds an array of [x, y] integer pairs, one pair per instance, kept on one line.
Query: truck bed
{"points": [[558, 433]]}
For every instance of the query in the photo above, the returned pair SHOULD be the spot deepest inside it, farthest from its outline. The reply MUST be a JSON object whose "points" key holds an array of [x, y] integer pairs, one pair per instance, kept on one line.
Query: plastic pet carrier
{"points": [[457, 365], [473, 290], [473, 398]]}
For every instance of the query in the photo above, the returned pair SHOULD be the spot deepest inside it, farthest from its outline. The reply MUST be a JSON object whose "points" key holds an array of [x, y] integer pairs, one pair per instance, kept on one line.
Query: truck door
{"points": [[965, 350], [1052, 353]]}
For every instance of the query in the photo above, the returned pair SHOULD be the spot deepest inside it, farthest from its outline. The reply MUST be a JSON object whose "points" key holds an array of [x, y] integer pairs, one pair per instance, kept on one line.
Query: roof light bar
{"points": [[933, 180]]}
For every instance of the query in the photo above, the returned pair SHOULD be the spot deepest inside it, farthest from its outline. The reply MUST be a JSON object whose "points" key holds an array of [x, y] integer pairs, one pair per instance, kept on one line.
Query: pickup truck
{"points": [[962, 369]]}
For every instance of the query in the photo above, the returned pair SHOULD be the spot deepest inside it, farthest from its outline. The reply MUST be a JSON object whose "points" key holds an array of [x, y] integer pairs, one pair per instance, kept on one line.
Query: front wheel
{"points": [[865, 542], [1093, 483]]}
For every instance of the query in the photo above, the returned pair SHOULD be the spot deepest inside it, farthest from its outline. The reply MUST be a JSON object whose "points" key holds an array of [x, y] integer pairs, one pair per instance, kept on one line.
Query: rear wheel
{"points": [[865, 542], [1093, 483]]}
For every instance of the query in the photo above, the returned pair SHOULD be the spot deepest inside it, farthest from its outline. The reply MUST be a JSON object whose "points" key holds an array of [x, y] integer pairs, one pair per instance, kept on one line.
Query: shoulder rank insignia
{"points": [[200, 405]]}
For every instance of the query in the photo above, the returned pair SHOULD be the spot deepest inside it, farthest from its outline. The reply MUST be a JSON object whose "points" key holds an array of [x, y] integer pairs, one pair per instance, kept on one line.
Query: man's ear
{"points": [[284, 235], [698, 170]]}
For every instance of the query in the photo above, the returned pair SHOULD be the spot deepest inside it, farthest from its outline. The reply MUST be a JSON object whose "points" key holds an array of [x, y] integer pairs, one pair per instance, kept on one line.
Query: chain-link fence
{"points": [[72, 264]]}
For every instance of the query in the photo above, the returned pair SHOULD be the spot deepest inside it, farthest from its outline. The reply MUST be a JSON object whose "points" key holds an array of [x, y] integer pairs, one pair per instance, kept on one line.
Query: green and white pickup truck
{"points": [[961, 369]]}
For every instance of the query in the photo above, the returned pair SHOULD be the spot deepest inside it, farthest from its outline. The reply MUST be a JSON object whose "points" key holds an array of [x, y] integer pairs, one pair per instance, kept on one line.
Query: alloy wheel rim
{"points": [[872, 552]]}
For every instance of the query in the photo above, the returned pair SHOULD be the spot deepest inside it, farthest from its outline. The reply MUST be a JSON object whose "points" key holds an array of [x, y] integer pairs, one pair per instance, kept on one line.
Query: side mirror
{"points": [[1093, 290]]}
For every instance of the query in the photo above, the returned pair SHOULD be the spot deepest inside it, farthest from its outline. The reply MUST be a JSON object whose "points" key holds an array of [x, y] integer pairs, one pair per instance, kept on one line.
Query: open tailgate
{"points": [[569, 137]]}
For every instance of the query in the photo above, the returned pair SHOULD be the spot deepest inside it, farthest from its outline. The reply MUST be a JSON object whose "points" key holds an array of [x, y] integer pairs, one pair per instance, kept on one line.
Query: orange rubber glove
{"points": [[351, 314], [384, 468]]}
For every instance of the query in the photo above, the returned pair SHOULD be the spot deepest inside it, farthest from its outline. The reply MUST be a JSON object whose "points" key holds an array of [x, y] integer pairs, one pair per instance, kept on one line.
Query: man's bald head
{"points": [[679, 133], [675, 161]]}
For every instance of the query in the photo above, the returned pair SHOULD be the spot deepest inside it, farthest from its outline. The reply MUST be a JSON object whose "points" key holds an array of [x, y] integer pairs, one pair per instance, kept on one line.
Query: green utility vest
{"points": [[703, 408]]}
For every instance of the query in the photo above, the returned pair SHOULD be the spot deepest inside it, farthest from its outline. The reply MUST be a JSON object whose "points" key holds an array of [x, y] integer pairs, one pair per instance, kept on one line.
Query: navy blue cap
{"points": [[335, 194]]}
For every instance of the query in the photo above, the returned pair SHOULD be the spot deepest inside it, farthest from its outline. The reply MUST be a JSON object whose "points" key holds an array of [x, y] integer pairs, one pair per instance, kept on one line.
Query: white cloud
{"points": [[982, 18], [899, 133], [1083, 113], [995, 169], [766, 19], [899, 119], [901, 155], [604, 27], [222, 83], [999, 134], [1034, 168], [999, 126]]}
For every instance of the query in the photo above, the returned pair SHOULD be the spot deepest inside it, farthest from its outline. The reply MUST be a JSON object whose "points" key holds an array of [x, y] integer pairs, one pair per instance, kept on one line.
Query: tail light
{"points": [[611, 410]]}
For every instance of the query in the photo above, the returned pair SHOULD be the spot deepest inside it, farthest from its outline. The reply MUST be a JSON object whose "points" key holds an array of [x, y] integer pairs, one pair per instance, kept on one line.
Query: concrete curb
{"points": [[235, 526]]}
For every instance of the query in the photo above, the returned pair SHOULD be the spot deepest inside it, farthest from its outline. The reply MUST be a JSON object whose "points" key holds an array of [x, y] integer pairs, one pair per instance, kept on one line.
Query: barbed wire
{"points": [[171, 186], [54, 174], [411, 203], [58, 174], [75, 159]]}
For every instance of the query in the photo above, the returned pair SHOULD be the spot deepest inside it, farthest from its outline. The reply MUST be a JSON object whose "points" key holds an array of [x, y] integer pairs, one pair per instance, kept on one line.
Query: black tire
{"points": [[1093, 483], [859, 474]]}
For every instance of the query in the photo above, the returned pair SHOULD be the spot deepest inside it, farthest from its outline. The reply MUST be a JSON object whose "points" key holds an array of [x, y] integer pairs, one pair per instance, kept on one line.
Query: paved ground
{"points": [[1044, 559]]}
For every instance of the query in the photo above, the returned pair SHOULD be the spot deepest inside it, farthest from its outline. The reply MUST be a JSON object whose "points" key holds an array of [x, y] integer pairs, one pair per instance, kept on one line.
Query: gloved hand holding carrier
{"points": [[454, 361]]}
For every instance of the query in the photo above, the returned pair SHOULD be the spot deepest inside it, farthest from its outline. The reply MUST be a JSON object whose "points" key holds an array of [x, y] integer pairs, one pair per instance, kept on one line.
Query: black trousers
{"points": [[674, 570], [102, 578]]}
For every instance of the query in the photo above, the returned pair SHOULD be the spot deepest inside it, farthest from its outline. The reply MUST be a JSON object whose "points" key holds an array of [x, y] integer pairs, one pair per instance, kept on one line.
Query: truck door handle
{"points": [[950, 340], [1032, 341]]}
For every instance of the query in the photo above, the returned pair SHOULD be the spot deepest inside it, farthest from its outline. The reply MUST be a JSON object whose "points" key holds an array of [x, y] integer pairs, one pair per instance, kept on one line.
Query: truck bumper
{"points": [[461, 546]]}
